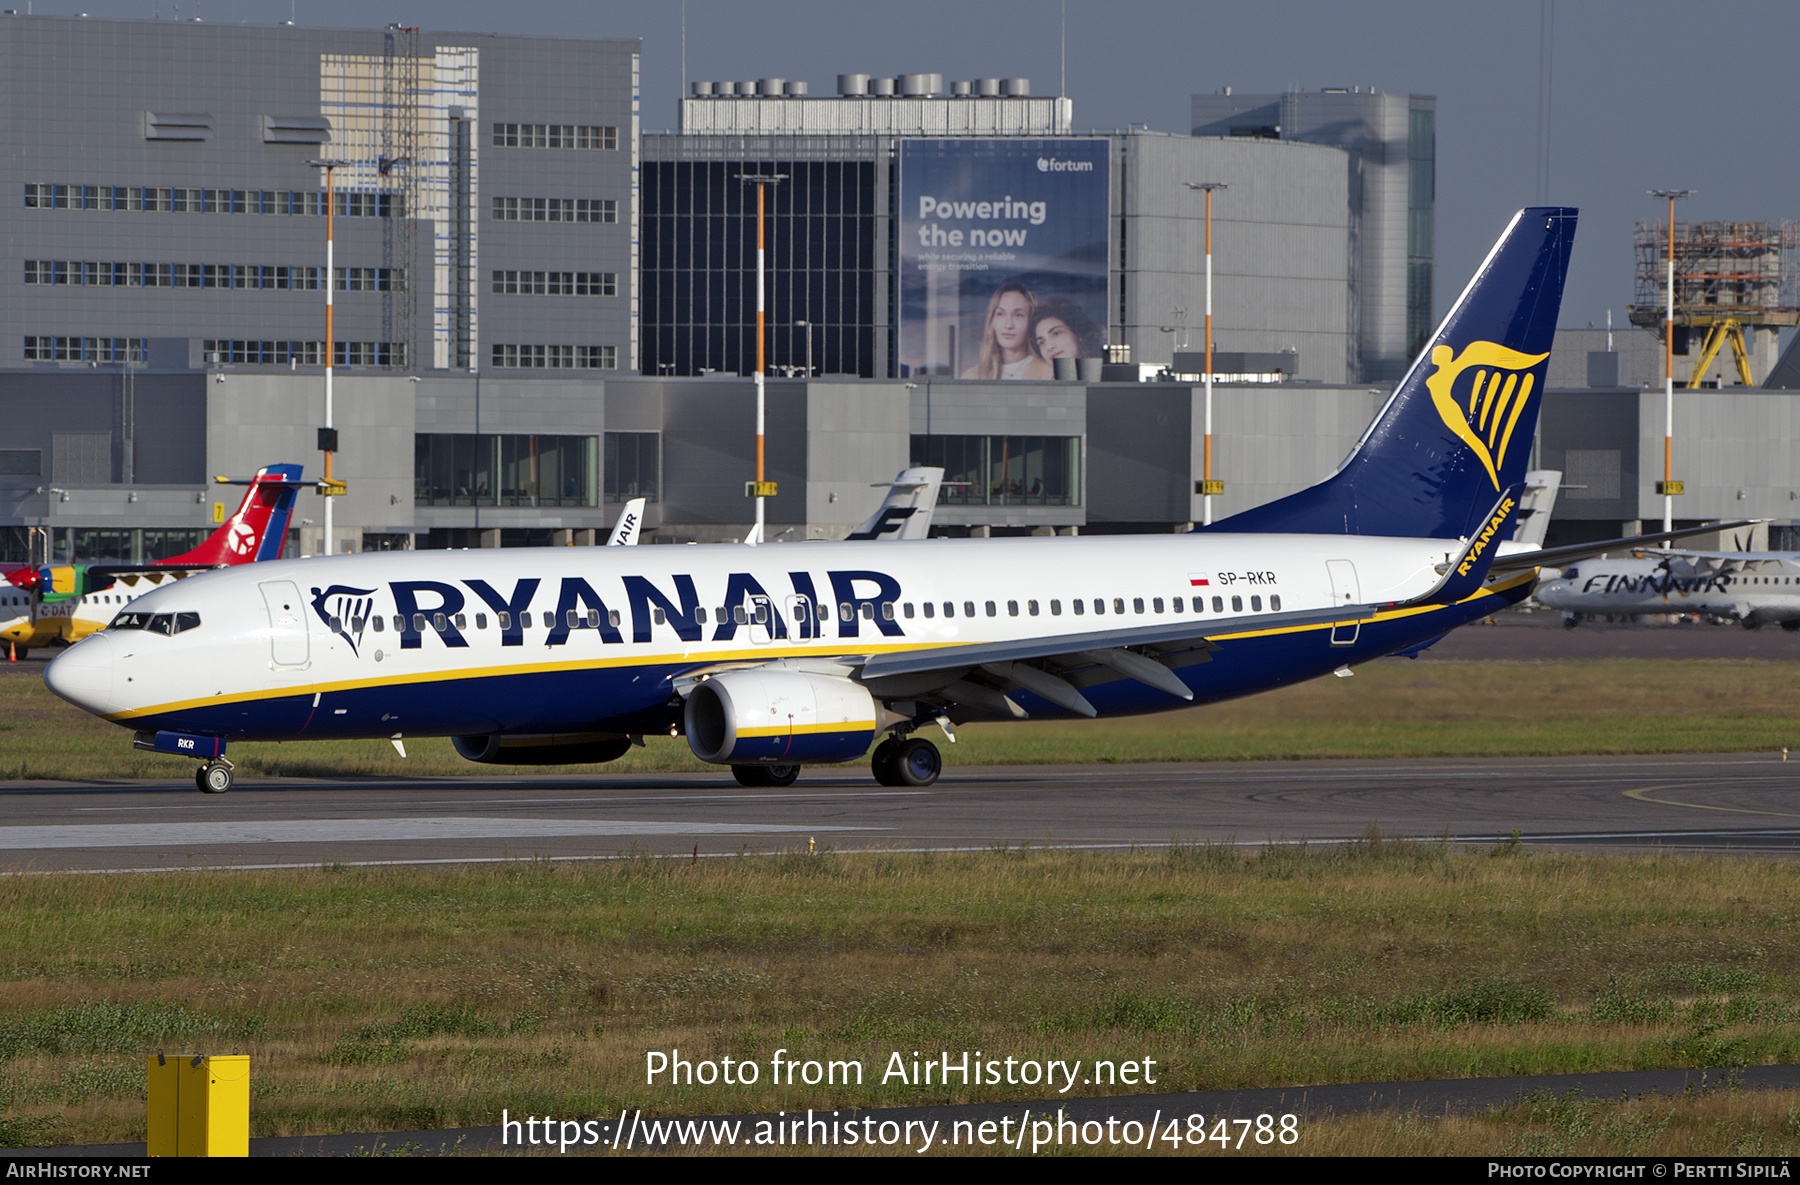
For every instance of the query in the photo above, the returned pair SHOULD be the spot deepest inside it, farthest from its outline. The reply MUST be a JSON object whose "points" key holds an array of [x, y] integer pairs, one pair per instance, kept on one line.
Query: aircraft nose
{"points": [[83, 674]]}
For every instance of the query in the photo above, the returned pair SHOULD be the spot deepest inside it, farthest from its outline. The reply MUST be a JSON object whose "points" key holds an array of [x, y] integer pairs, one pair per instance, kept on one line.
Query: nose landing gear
{"points": [[214, 777]]}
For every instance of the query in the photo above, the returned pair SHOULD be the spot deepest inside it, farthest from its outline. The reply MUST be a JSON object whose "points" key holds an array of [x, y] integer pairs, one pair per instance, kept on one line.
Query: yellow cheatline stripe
{"points": [[764, 653], [807, 729], [1642, 794]]}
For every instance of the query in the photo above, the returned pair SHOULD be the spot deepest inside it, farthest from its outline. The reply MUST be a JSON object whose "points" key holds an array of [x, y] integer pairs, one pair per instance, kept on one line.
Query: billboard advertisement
{"points": [[1003, 259]]}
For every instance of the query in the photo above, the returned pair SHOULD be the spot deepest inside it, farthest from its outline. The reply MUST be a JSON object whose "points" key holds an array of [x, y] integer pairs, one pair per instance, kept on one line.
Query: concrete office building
{"points": [[1282, 254], [1391, 142], [164, 228]]}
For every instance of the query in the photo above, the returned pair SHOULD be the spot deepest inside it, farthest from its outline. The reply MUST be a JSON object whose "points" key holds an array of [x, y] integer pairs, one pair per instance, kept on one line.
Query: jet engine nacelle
{"points": [[574, 749], [776, 716]]}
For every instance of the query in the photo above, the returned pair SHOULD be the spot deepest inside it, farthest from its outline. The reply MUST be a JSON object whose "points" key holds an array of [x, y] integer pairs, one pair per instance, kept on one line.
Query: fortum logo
{"points": [[1049, 164]]}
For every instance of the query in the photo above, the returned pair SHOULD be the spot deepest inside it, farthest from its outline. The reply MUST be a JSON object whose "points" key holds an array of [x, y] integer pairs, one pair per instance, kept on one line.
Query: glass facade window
{"points": [[84, 349], [633, 461], [1004, 470], [184, 200], [554, 135], [490, 470], [698, 271]]}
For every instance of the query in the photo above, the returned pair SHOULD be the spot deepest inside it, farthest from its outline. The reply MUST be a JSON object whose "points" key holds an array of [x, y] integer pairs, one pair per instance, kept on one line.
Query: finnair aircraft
{"points": [[768, 658], [1752, 588]]}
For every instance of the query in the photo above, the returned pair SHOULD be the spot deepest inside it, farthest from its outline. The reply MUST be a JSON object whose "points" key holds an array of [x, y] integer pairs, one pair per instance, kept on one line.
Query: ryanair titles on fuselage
{"points": [[862, 600]]}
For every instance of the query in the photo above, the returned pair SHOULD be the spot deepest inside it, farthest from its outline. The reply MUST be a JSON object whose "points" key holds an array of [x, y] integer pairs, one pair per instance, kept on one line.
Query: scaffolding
{"points": [[1729, 277]]}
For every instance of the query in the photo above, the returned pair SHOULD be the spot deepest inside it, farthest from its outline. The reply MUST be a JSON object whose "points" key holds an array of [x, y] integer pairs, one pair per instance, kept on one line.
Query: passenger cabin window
{"points": [[699, 616], [1031, 607], [1218, 604], [1176, 605], [1256, 604], [907, 608], [1137, 605], [930, 609], [968, 608], [660, 617], [887, 610], [949, 608], [1056, 608], [990, 609], [1275, 603], [1156, 604], [1079, 605], [1119, 605], [1237, 604], [1099, 604], [379, 622], [481, 621]]}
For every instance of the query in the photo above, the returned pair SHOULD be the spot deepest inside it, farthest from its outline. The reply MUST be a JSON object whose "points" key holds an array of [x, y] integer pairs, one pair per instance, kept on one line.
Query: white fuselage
{"points": [[455, 642]]}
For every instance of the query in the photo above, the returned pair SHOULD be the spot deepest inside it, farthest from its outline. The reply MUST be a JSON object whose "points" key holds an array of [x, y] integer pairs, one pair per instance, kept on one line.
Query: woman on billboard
{"points": [[1006, 349], [1062, 329]]}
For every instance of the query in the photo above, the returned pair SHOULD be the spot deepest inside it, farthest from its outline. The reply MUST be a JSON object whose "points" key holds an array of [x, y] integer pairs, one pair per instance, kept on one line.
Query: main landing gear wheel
{"points": [[1790, 626], [914, 762], [885, 762], [765, 775], [214, 778]]}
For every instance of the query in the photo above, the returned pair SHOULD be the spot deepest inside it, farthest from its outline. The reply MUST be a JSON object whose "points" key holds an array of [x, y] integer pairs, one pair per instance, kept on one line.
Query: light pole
{"points": [[1668, 487], [761, 488], [1208, 487], [328, 434], [808, 326]]}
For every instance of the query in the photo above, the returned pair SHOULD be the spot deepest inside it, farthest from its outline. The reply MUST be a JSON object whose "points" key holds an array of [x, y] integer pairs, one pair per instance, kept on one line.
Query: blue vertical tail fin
{"points": [[1459, 428]]}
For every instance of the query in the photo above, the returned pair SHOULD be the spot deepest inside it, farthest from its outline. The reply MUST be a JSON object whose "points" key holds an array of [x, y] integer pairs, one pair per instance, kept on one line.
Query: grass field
{"points": [[374, 999], [383, 999], [1391, 708]]}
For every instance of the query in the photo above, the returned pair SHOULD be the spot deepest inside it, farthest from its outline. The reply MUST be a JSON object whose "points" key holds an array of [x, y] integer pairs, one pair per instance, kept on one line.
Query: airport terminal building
{"points": [[539, 311]]}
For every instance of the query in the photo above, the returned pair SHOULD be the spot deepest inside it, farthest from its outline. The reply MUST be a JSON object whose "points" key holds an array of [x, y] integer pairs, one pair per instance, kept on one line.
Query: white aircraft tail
{"points": [[631, 518], [906, 512], [1535, 505]]}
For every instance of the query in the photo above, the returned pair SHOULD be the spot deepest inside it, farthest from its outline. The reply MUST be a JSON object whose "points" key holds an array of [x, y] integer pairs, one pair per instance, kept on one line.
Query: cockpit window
{"points": [[156, 623]]}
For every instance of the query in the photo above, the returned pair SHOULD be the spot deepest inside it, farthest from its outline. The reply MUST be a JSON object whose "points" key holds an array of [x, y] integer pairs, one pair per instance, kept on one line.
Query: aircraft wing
{"points": [[1068, 662], [1556, 557]]}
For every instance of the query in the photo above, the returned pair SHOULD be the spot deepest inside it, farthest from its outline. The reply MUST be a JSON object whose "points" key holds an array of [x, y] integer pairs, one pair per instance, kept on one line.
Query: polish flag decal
{"points": [[1197, 581]]}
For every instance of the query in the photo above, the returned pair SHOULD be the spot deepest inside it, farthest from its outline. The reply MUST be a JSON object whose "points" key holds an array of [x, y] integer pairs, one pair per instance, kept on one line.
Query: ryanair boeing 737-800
{"points": [[768, 658]]}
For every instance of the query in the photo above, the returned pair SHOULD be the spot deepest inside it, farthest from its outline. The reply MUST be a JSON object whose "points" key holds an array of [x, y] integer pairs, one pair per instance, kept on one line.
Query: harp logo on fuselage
{"points": [[1484, 411]]}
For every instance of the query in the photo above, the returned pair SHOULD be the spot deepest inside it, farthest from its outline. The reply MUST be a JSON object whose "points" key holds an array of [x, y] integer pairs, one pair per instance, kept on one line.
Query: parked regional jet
{"points": [[67, 602], [771, 657], [1752, 588]]}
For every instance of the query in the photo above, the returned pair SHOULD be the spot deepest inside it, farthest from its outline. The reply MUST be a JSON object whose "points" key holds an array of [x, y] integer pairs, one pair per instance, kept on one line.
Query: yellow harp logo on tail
{"points": [[1485, 415]]}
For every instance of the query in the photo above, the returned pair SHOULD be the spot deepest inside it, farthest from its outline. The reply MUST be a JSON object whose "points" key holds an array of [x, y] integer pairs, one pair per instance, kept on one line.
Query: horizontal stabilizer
{"points": [[1556, 557]]}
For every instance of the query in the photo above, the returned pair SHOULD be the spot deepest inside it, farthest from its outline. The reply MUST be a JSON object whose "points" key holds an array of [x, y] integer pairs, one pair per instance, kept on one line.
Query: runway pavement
{"points": [[1744, 804]]}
